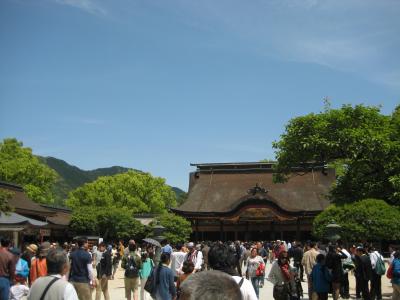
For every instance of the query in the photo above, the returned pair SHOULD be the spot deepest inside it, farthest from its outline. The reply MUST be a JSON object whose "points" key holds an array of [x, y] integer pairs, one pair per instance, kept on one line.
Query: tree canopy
{"points": [[132, 191], [18, 165], [361, 142], [369, 219], [178, 229]]}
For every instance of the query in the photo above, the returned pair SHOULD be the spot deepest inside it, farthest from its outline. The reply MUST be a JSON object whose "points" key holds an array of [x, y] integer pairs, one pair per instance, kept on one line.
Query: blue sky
{"points": [[156, 85]]}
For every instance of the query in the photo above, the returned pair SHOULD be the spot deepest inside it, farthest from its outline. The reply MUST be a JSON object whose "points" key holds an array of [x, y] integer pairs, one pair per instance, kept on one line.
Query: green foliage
{"points": [[132, 191], [110, 223], [5, 195], [178, 229], [362, 144], [369, 219], [18, 165]]}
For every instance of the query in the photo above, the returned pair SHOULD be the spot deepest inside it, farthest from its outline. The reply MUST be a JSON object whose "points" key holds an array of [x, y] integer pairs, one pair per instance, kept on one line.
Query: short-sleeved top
{"points": [[252, 265], [79, 266]]}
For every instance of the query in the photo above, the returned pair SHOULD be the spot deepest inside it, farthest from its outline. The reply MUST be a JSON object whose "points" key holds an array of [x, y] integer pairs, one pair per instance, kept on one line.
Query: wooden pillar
{"points": [[197, 230], [221, 230], [298, 232], [272, 230]]}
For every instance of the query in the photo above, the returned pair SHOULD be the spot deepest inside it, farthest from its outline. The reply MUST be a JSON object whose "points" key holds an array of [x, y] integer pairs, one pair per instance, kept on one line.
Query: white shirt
{"points": [[17, 291], [247, 290], [197, 259], [69, 292], [374, 258], [177, 259]]}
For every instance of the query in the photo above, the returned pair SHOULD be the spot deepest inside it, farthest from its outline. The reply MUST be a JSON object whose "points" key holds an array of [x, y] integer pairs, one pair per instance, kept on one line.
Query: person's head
{"points": [[102, 247], [221, 257], [132, 245], [320, 259], [312, 245], [165, 258], [82, 242], [190, 246], [32, 248], [187, 267], [259, 245], [283, 258], [253, 252], [5, 242], [179, 246], [57, 262], [210, 285], [44, 249], [360, 250]]}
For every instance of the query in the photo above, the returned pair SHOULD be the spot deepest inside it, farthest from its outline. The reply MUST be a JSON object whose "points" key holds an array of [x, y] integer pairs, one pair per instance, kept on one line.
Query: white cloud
{"points": [[88, 6]]}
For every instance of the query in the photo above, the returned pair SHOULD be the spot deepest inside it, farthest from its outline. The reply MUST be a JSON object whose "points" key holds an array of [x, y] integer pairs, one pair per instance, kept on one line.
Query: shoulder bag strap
{"points": [[48, 287], [241, 282]]}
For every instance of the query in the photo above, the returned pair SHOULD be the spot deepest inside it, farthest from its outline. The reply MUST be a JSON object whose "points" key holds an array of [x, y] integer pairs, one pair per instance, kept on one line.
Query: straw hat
{"points": [[33, 248]]}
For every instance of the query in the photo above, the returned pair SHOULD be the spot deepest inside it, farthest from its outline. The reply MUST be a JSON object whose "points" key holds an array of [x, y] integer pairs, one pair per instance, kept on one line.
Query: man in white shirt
{"points": [[177, 259], [376, 280], [223, 258], [195, 256], [53, 286]]}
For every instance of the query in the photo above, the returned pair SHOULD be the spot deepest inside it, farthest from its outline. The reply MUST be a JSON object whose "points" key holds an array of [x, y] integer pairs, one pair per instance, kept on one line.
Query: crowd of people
{"points": [[207, 270]]}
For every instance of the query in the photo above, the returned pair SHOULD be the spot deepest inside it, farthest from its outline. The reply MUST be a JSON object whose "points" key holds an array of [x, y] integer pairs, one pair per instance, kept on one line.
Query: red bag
{"points": [[260, 270], [389, 273]]}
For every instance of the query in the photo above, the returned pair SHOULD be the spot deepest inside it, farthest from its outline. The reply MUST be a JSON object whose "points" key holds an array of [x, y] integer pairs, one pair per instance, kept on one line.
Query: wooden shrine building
{"points": [[230, 201]]}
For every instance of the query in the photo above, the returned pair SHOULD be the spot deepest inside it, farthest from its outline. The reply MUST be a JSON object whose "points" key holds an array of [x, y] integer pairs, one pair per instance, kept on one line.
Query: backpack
{"points": [[131, 269], [380, 268]]}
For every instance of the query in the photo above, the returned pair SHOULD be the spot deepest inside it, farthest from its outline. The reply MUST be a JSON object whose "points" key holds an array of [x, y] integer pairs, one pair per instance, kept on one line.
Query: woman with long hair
{"points": [[254, 262], [282, 277], [164, 279]]}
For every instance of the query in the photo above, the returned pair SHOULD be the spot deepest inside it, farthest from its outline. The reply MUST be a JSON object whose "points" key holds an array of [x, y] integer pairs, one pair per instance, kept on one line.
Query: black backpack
{"points": [[131, 269]]}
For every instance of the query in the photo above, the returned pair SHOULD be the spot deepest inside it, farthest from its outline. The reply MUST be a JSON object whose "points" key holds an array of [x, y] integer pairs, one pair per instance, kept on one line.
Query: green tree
{"points": [[369, 219], [108, 223], [4, 197], [132, 191], [178, 229], [18, 165], [360, 142]]}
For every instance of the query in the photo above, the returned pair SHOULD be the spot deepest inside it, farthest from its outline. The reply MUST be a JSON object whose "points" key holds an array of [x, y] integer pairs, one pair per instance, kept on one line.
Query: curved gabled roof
{"points": [[224, 191]]}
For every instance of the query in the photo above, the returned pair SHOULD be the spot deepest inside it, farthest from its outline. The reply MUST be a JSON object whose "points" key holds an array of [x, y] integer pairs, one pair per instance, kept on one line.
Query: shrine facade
{"points": [[240, 201]]}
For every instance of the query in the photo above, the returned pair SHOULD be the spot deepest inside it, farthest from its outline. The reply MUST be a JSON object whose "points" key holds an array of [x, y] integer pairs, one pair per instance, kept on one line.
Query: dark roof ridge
{"points": [[11, 185]]}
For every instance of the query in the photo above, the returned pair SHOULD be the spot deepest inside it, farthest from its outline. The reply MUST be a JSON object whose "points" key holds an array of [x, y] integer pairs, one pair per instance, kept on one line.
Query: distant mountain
{"points": [[72, 177]]}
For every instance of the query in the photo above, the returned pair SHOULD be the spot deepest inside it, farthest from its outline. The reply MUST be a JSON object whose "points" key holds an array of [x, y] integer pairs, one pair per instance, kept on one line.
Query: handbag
{"points": [[150, 284], [260, 269], [389, 273]]}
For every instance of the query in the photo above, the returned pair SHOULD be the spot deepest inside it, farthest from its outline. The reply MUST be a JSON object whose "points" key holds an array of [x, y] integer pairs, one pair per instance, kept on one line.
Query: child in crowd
{"points": [[19, 289]]}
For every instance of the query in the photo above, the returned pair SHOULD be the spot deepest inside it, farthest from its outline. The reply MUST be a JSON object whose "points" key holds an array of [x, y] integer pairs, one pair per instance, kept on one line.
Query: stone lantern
{"points": [[332, 231]]}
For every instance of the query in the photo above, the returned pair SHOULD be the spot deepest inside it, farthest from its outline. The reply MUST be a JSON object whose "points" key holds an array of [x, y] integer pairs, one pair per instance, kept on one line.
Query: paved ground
{"points": [[117, 291]]}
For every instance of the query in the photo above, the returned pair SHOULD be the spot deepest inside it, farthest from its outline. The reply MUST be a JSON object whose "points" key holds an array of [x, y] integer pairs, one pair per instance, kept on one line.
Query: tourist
{"points": [[7, 268], [38, 265], [20, 289], [376, 279], [164, 280], [210, 285], [53, 286], [347, 266], [254, 263], [104, 271], [309, 260], [264, 255], [29, 254], [223, 258], [144, 273], [121, 248], [363, 271], [333, 262], [177, 259], [396, 276], [296, 252], [115, 258], [81, 275], [282, 277], [321, 278], [166, 247], [187, 270], [204, 252], [195, 256], [132, 263]]}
